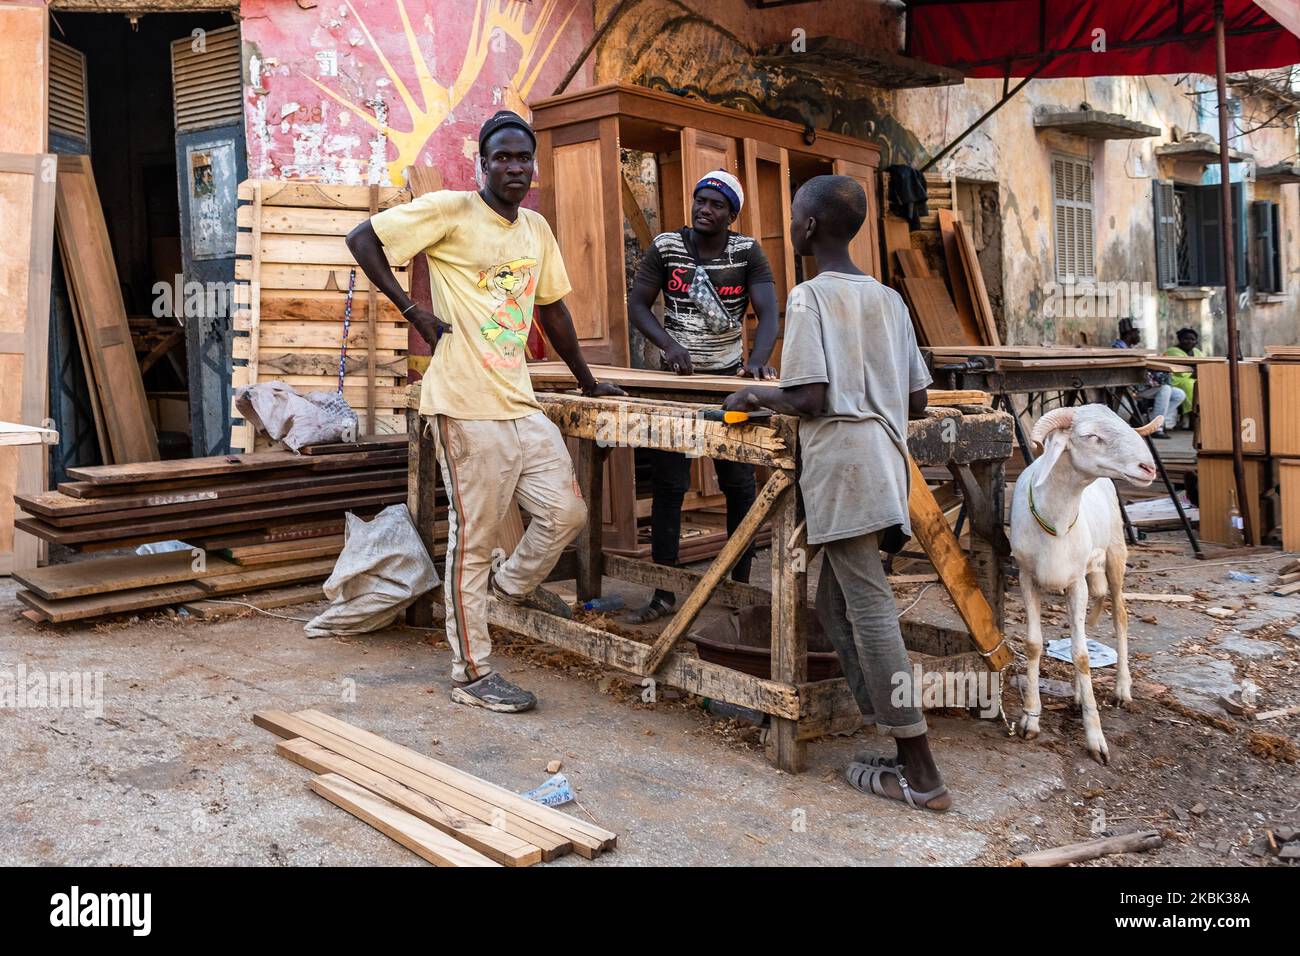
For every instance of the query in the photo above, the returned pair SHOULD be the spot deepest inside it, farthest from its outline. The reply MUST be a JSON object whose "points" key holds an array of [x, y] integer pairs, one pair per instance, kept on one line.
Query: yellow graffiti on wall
{"points": [[432, 102]]}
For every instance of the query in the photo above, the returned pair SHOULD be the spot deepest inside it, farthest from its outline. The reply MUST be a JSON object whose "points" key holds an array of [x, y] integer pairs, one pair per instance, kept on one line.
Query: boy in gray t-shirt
{"points": [[851, 371]]}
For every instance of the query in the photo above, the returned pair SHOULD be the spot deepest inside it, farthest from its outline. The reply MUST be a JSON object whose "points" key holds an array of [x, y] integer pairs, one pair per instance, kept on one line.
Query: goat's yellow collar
{"points": [[1043, 522]]}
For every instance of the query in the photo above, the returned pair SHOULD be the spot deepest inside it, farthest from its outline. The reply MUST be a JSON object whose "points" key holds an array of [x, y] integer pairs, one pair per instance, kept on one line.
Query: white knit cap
{"points": [[725, 183]]}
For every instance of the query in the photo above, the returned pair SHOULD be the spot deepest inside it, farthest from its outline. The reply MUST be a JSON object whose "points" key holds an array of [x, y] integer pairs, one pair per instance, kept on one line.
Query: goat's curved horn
{"points": [[1056, 418], [1151, 426]]}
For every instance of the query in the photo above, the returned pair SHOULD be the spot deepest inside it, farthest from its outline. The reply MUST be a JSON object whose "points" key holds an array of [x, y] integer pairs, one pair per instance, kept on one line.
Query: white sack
{"points": [[382, 569], [281, 413]]}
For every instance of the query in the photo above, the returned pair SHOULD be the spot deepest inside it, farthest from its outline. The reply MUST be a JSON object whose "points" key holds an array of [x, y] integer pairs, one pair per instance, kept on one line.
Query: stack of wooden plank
{"points": [[445, 815], [293, 275], [255, 521]]}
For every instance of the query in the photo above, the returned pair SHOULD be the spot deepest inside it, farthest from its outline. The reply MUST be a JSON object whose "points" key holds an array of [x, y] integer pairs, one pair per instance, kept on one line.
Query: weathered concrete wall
{"points": [[354, 91], [1009, 151], [714, 50]]}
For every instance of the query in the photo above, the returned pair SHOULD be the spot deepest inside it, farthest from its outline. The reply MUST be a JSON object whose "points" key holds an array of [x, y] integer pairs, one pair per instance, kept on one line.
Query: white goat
{"points": [[1067, 535]]}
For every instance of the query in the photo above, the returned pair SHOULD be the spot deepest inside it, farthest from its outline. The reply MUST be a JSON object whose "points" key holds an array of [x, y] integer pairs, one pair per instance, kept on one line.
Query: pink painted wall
{"points": [[354, 92]]}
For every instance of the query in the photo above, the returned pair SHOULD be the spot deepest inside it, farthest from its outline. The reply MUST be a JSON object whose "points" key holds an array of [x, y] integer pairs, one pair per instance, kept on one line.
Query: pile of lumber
{"points": [[292, 280], [947, 311], [445, 815], [262, 520]]}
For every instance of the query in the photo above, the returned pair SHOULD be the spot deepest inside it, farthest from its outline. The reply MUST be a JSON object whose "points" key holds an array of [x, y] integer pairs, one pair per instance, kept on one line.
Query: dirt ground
{"points": [[174, 772]]}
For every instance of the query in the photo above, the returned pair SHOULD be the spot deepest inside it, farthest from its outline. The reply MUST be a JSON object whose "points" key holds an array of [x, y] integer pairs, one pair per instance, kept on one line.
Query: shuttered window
{"points": [[207, 82], [1072, 218], [1167, 235], [68, 113], [1267, 251], [1189, 237]]}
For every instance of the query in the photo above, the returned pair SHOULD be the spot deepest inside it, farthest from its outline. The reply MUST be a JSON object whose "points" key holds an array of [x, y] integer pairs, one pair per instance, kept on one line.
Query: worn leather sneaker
{"points": [[494, 693], [539, 599]]}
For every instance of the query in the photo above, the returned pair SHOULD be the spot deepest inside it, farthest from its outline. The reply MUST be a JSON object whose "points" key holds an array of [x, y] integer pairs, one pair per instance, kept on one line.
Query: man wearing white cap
{"points": [[708, 276]]}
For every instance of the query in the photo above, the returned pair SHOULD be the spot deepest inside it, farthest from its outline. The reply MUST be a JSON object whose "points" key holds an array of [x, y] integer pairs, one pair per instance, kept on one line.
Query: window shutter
{"points": [[68, 111], [1275, 240], [1166, 230], [1265, 247], [1072, 215], [1210, 209], [207, 84], [1239, 234]]}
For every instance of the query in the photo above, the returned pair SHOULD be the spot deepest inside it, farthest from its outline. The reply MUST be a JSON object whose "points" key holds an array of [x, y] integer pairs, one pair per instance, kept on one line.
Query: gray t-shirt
{"points": [[855, 335]]}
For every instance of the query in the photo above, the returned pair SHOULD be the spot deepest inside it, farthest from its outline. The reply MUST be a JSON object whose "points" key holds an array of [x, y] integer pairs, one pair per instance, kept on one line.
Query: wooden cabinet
{"points": [[1284, 405], [1214, 408], [582, 139], [1217, 492]]}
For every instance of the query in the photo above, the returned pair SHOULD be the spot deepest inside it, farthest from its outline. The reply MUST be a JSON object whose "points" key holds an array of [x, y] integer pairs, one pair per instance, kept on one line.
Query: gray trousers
{"points": [[856, 607]]}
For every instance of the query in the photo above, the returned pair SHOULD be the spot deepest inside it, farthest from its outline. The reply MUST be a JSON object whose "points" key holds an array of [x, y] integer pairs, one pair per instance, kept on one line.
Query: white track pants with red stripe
{"points": [[486, 467]]}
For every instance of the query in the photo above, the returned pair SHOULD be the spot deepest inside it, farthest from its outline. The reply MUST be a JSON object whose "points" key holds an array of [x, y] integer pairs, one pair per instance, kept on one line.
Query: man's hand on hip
{"points": [[430, 327]]}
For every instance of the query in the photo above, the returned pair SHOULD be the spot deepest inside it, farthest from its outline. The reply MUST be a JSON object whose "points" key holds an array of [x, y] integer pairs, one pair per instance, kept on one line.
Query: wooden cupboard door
{"points": [[865, 248], [703, 152], [585, 193], [765, 174]]}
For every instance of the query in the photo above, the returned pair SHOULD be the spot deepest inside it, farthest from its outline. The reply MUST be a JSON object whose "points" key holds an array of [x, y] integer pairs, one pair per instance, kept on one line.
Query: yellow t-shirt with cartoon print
{"points": [[485, 274]]}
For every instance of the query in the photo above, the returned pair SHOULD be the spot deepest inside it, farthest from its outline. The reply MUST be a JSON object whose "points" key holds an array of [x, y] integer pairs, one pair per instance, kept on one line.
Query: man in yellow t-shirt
{"points": [[492, 267]]}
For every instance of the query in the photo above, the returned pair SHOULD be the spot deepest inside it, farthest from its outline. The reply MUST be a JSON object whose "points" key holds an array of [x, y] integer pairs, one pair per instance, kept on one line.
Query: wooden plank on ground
{"points": [[213, 608], [56, 582], [407, 829], [284, 724], [588, 839], [251, 580], [121, 602], [492, 842]]}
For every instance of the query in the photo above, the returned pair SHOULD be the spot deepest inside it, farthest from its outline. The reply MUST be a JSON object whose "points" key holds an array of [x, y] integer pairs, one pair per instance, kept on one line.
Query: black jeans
{"points": [[670, 478]]}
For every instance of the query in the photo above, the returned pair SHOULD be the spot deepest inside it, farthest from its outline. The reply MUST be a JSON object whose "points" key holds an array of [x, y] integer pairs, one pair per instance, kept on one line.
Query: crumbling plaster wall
{"points": [[708, 50]]}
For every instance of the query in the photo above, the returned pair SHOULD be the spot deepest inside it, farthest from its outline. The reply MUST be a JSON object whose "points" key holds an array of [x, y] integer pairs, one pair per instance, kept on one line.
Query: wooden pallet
{"points": [[291, 250]]}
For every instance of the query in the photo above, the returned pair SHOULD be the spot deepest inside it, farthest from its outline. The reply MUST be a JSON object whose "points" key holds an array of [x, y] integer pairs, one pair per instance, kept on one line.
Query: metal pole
{"points": [[1230, 275], [1006, 98]]}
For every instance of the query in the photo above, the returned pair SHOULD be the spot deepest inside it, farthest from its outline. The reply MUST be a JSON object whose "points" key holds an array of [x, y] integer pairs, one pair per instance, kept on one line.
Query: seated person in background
{"points": [[1164, 397], [1188, 340]]}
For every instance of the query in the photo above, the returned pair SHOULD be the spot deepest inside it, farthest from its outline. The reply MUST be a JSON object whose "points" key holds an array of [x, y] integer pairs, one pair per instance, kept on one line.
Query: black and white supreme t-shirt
{"points": [[669, 266]]}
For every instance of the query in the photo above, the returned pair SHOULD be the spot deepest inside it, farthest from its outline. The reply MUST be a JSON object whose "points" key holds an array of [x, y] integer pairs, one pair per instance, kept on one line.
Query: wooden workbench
{"points": [[973, 447]]}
